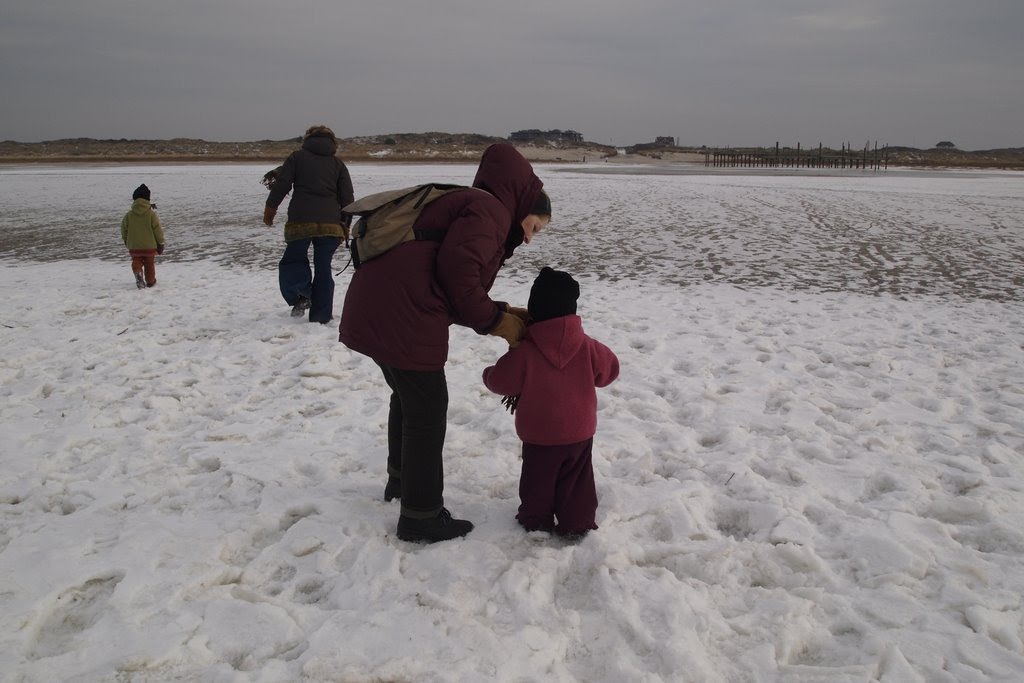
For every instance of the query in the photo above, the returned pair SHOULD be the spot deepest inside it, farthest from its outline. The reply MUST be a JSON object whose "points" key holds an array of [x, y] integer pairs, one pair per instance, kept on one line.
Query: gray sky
{"points": [[714, 72]]}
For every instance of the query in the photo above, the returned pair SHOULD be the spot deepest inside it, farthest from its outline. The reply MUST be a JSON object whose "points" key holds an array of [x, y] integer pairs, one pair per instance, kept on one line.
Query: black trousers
{"points": [[417, 421]]}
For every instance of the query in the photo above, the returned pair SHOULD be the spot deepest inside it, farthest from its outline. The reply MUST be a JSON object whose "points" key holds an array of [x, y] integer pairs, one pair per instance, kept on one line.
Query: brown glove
{"points": [[268, 215], [510, 328], [520, 313]]}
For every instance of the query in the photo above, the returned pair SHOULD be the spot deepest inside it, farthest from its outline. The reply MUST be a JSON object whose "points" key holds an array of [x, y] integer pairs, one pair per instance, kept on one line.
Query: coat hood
{"points": [[320, 145], [557, 339], [139, 206], [506, 174]]}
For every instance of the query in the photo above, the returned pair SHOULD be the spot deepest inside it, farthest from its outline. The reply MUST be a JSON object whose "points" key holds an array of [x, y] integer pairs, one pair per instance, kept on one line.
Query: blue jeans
{"points": [[316, 284]]}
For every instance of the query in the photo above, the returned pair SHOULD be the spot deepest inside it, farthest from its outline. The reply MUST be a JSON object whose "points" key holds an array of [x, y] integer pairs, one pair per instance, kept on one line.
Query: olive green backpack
{"points": [[386, 219]]}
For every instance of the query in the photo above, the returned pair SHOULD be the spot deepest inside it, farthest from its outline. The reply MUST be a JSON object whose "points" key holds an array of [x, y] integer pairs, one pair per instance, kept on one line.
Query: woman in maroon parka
{"points": [[398, 308]]}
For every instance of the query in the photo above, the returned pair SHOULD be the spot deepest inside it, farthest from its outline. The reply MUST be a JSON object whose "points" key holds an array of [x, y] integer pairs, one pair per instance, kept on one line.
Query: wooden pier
{"points": [[788, 157]]}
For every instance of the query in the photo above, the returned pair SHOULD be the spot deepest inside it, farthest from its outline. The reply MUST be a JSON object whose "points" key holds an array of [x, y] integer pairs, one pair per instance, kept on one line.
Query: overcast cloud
{"points": [[734, 72]]}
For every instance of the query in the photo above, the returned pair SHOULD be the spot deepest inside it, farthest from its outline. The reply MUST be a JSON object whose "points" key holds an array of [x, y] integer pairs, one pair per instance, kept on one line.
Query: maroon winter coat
{"points": [[554, 371], [399, 305]]}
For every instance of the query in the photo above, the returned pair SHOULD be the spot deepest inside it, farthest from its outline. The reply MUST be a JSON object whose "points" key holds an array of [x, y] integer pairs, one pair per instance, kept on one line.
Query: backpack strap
{"points": [[430, 235], [436, 235]]}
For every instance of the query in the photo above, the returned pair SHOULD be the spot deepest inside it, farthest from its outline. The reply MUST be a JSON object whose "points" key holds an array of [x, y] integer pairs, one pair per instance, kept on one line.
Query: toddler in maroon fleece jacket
{"points": [[553, 375]]}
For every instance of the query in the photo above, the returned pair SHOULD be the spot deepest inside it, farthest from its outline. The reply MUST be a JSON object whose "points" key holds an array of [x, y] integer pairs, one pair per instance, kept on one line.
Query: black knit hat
{"points": [[542, 204], [141, 192], [554, 294]]}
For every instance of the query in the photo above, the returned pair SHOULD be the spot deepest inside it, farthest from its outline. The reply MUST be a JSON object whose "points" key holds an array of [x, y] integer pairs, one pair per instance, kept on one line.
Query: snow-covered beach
{"points": [[810, 469]]}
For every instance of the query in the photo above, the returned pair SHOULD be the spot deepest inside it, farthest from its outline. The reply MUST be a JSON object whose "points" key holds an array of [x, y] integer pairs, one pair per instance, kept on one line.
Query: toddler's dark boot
{"points": [[433, 529], [573, 537]]}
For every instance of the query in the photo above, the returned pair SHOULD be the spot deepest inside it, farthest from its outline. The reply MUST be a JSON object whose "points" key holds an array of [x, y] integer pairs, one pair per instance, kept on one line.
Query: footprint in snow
{"points": [[72, 612]]}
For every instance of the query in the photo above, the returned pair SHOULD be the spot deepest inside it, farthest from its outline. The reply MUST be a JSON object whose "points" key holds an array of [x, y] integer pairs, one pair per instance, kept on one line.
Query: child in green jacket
{"points": [[142, 234]]}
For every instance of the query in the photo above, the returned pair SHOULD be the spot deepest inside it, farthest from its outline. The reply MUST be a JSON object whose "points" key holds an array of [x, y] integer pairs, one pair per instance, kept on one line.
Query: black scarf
{"points": [[514, 239]]}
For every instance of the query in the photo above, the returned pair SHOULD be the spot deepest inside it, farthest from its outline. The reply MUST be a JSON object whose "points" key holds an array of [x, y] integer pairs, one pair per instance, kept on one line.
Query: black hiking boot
{"points": [[393, 489], [300, 307], [440, 528], [139, 281]]}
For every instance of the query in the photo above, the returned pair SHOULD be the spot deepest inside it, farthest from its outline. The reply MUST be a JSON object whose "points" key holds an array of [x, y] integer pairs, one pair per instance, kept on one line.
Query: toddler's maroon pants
{"points": [[557, 482]]}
